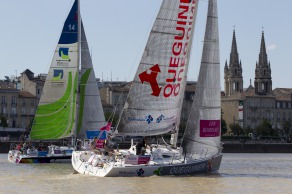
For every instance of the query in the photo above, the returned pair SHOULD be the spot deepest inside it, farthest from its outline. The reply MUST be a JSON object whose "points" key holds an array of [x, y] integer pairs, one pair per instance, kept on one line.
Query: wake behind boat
{"points": [[70, 104], [154, 103]]}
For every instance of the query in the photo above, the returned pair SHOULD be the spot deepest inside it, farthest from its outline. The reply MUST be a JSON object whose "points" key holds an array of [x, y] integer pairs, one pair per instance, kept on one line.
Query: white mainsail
{"points": [[55, 115], [91, 115], [203, 135], [70, 103], [154, 102]]}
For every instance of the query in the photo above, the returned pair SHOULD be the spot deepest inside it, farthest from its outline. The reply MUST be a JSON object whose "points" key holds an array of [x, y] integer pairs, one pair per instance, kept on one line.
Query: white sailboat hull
{"points": [[59, 154], [84, 162]]}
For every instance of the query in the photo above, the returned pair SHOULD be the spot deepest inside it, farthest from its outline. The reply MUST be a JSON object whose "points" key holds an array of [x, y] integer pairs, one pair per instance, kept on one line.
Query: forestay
{"points": [[155, 99], [202, 134]]}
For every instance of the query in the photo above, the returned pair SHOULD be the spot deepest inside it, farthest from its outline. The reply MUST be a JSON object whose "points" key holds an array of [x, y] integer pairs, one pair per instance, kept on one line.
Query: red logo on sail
{"points": [[151, 79]]}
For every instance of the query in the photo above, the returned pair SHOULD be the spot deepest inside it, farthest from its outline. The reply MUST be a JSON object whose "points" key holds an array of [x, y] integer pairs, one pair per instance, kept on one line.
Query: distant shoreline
{"points": [[228, 147]]}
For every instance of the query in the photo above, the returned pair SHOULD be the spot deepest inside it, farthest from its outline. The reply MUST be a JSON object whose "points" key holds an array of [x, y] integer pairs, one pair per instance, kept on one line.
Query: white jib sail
{"points": [[91, 115], [203, 135]]}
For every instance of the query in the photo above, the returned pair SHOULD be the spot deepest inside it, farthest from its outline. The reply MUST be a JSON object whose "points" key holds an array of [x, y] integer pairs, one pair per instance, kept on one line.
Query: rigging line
{"points": [[202, 142]]}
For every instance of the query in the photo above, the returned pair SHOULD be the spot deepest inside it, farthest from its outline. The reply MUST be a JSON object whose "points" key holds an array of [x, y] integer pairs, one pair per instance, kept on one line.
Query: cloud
{"points": [[271, 47]]}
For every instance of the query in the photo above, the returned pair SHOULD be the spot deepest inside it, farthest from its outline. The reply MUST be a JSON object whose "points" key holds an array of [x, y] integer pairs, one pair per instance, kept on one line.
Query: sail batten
{"points": [[155, 99]]}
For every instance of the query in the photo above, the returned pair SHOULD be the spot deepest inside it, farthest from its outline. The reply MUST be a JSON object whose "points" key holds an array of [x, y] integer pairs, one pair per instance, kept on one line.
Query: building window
{"points": [[13, 100], [23, 124], [13, 123], [289, 104], [289, 116], [272, 116], [13, 110], [31, 111], [32, 102], [283, 104], [268, 116], [278, 105], [3, 110], [23, 110], [3, 100], [39, 91], [116, 99], [278, 116], [23, 102]]}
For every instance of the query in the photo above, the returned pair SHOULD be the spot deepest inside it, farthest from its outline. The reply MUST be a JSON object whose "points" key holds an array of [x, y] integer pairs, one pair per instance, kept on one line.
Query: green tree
{"points": [[248, 130], [223, 124], [3, 121], [286, 126], [236, 129], [265, 129]]}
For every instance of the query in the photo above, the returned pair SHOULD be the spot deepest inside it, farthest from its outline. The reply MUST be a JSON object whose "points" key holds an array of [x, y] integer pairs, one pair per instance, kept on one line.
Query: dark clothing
{"points": [[141, 147]]}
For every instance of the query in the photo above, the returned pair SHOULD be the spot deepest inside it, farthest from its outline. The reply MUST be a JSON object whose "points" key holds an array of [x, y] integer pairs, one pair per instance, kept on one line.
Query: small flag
{"points": [[107, 127]]}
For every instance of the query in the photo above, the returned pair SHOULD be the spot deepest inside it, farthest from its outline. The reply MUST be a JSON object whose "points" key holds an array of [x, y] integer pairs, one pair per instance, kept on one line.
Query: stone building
{"points": [[19, 99], [17, 107], [32, 84], [248, 107]]}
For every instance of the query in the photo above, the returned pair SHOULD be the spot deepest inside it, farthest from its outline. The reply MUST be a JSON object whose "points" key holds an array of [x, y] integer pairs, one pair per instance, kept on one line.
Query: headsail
{"points": [[202, 134], [91, 115], [55, 115], [154, 102]]}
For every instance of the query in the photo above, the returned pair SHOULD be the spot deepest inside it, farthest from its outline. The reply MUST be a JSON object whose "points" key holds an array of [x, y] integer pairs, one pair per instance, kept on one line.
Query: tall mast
{"points": [[78, 64]]}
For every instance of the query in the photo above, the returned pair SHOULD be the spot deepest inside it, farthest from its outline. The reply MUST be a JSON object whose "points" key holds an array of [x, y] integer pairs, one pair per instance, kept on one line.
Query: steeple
{"points": [[263, 78], [233, 73], [263, 59], [234, 54]]}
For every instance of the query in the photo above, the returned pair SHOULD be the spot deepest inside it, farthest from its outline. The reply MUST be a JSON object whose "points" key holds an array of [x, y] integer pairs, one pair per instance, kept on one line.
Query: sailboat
{"points": [[155, 100], [70, 105]]}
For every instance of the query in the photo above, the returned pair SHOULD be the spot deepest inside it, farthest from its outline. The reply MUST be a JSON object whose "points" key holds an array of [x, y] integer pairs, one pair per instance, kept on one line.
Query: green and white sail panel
{"points": [[155, 98], [91, 115], [203, 135], [56, 112]]}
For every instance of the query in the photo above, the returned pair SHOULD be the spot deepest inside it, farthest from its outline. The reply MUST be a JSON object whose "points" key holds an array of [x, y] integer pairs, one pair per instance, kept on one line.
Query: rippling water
{"points": [[239, 173]]}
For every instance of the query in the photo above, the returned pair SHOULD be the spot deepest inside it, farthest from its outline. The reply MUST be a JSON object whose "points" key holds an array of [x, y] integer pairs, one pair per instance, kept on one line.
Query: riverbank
{"points": [[228, 147]]}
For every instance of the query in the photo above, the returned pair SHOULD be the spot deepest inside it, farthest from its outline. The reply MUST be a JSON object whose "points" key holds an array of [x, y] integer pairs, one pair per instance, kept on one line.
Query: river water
{"points": [[239, 173]]}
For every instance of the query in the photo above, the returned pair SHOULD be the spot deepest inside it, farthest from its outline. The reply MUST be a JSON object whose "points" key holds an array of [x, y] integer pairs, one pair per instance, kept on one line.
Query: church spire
{"points": [[263, 78], [233, 73], [234, 54], [263, 59]]}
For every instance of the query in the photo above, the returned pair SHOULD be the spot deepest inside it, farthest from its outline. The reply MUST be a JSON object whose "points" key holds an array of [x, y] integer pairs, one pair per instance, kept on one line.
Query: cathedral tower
{"points": [[233, 72], [263, 78]]}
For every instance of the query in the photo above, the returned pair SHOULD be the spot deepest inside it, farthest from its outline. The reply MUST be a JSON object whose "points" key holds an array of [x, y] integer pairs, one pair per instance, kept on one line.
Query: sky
{"points": [[117, 32]]}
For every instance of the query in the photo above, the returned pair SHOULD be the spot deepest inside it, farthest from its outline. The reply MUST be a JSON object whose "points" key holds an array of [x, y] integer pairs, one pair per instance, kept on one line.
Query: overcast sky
{"points": [[117, 32]]}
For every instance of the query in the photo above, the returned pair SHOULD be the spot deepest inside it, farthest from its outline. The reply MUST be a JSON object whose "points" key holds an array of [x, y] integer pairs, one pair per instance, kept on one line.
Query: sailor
{"points": [[141, 146], [94, 143], [109, 146]]}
